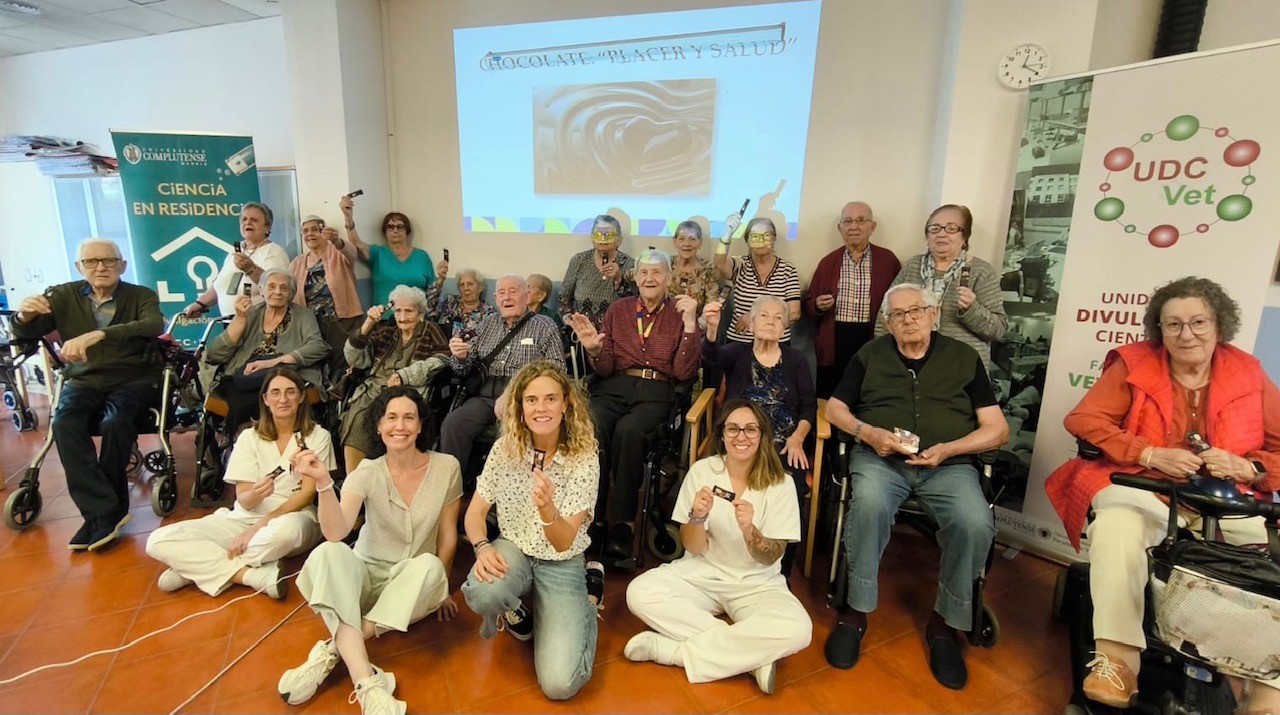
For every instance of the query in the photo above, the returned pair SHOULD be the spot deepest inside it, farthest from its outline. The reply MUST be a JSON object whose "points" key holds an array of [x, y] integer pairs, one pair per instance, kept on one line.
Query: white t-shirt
{"points": [[253, 457], [268, 255], [777, 516]]}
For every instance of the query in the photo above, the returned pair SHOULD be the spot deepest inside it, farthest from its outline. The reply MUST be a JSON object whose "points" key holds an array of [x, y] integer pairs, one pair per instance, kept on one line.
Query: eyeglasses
{"points": [[935, 228], [602, 237], [95, 262], [732, 431], [396, 227], [288, 394], [1199, 326], [759, 237], [916, 313], [861, 221]]}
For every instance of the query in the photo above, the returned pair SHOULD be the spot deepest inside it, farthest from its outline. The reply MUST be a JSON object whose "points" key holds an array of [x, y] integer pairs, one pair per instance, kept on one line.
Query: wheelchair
{"points": [[176, 411], [985, 631], [13, 355], [1180, 675]]}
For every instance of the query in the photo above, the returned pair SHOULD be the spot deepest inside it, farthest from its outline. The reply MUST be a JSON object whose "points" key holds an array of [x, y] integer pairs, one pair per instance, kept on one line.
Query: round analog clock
{"points": [[1022, 65]]}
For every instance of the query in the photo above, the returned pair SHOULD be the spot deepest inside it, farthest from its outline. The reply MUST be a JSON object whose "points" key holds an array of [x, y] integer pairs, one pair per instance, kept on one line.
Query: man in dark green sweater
{"points": [[936, 389], [108, 329]]}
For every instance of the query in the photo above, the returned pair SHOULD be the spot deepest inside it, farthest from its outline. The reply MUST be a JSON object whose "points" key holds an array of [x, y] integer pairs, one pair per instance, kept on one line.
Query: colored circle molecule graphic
{"points": [[1238, 153]]}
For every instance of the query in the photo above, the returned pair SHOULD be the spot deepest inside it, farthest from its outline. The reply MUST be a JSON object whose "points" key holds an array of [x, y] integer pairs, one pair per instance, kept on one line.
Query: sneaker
{"points": [[765, 676], [106, 529], [267, 580], [171, 581], [81, 540], [1110, 682], [595, 584], [298, 685], [374, 695], [519, 623]]}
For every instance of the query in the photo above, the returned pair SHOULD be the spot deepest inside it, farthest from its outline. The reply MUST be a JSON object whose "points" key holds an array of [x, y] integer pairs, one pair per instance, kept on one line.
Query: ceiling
{"points": [[71, 23]]}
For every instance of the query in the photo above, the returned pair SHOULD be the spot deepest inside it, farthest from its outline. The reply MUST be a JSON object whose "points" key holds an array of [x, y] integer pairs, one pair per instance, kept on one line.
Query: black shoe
{"points": [[519, 623], [81, 540], [618, 547], [106, 529], [595, 584], [844, 645], [947, 662]]}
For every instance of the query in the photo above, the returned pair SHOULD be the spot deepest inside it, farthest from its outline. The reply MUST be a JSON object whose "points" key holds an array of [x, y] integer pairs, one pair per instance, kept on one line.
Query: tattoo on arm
{"points": [[765, 551]]}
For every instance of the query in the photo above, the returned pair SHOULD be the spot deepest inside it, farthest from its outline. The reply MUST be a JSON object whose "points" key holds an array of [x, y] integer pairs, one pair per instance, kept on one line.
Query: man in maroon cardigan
{"points": [[845, 294]]}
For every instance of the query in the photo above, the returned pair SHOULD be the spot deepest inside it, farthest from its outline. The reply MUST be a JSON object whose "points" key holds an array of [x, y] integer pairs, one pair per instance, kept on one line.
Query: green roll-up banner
{"points": [[183, 193]]}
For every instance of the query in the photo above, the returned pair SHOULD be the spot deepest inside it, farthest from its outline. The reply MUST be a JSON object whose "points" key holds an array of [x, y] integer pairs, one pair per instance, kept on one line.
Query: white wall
{"points": [[1239, 22], [229, 78]]}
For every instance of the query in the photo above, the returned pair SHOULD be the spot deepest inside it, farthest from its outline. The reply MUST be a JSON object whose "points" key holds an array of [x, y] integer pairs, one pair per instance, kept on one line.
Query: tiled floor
{"points": [[57, 606]]}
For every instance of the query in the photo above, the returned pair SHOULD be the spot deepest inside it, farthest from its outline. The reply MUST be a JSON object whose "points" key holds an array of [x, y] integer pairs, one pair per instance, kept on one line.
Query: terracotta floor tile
{"points": [[783, 700], [908, 657], [419, 680], [718, 695], [34, 568], [63, 642], [20, 607], [869, 687], [262, 667], [529, 700], [80, 597], [162, 614], [132, 686], [621, 686], [480, 669], [59, 691]]}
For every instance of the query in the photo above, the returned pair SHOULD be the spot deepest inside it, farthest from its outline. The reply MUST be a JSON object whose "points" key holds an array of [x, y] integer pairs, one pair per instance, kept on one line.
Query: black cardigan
{"points": [[736, 358]]}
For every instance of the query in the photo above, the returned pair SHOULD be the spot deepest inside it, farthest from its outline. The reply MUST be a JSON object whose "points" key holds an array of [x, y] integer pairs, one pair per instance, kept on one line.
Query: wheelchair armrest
{"points": [[701, 406], [824, 427], [1087, 450]]}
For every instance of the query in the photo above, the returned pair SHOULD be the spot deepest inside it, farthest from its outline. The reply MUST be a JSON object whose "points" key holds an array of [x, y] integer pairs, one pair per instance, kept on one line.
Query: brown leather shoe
{"points": [[1110, 682]]}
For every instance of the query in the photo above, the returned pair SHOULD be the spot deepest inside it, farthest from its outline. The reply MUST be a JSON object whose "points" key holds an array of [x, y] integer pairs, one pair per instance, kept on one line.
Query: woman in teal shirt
{"points": [[398, 262]]}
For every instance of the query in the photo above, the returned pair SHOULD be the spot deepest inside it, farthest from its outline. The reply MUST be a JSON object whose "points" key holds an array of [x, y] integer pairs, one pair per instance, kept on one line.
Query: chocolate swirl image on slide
{"points": [[648, 138]]}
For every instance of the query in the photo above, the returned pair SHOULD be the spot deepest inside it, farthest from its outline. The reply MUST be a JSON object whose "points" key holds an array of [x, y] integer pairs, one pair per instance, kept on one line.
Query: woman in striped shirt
{"points": [[760, 272]]}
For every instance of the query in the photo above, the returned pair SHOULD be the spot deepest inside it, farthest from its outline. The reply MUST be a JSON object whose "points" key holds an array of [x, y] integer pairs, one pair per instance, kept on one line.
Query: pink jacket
{"points": [[338, 273]]}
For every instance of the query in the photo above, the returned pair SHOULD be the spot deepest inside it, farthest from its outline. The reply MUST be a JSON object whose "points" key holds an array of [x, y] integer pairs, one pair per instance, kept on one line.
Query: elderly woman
{"points": [[463, 311], [542, 475], [597, 277], [967, 287], [690, 273], [243, 268], [539, 293], [272, 517], [398, 571], [645, 346], [760, 272], [406, 351], [737, 514], [398, 262], [327, 285], [260, 337], [1185, 378], [773, 376]]}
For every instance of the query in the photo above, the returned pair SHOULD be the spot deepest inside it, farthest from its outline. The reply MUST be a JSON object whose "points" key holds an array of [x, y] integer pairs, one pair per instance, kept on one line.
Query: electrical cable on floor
{"points": [[145, 636]]}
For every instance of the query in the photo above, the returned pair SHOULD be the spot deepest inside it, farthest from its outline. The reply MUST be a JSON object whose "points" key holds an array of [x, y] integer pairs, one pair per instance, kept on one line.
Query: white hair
{"points": [[410, 294], [655, 256], [96, 241], [519, 279], [761, 300], [926, 295], [475, 275], [266, 276]]}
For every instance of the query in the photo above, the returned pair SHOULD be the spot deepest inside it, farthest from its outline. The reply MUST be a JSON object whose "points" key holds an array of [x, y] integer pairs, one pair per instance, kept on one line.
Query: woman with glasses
{"points": [[737, 513], [760, 272], [1156, 404], [398, 262], [967, 287], [690, 273], [260, 337], [242, 269], [597, 277], [272, 517]]}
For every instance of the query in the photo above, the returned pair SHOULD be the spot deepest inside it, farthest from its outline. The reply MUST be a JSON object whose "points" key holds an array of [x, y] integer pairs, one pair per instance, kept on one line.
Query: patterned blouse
{"points": [[769, 389], [584, 291], [701, 282], [448, 311], [319, 297], [267, 347]]}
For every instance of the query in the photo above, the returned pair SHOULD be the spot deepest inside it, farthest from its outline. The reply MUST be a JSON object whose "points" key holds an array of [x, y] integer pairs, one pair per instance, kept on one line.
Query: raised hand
{"points": [[592, 340], [687, 307], [32, 306], [731, 224], [459, 348], [702, 503]]}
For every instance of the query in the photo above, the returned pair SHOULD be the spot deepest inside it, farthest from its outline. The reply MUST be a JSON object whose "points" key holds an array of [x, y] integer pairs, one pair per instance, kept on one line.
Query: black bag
{"points": [[1245, 568], [474, 380]]}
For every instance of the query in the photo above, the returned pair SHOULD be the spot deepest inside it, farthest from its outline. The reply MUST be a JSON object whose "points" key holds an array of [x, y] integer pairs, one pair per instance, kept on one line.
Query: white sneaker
{"points": [[765, 676], [266, 579], [171, 581], [298, 685], [374, 694]]}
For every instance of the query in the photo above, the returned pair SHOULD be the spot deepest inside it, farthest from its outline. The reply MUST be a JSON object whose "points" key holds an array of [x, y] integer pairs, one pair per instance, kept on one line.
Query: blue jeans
{"points": [[97, 482], [564, 624], [953, 497]]}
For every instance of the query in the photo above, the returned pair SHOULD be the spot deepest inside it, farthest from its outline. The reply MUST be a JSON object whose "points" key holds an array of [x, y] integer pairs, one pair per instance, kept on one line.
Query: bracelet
{"points": [[548, 523], [325, 489], [697, 520], [1147, 464], [201, 304], [483, 545], [480, 544], [350, 226]]}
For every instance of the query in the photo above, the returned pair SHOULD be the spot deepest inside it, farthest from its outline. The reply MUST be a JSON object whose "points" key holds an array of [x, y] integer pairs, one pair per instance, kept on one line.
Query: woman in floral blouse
{"points": [[690, 273], [463, 311]]}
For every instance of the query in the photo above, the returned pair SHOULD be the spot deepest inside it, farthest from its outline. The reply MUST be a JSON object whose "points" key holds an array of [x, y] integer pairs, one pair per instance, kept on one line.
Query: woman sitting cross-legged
{"points": [[542, 475], [272, 517], [738, 511], [398, 571]]}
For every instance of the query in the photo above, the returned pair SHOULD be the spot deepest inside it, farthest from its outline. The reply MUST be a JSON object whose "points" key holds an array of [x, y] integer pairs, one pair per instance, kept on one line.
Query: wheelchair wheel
{"points": [[664, 543], [23, 507], [987, 633], [10, 399], [164, 495], [207, 487], [154, 461], [135, 462]]}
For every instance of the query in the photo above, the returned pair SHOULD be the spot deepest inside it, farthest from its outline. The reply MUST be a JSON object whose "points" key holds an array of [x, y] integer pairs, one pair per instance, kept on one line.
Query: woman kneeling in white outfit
{"points": [[273, 516], [738, 511], [398, 571]]}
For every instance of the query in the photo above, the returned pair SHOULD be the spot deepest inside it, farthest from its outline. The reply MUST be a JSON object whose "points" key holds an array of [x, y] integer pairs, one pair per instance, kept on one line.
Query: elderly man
{"points": [[936, 388], [846, 292], [113, 374], [645, 346], [503, 344], [242, 269]]}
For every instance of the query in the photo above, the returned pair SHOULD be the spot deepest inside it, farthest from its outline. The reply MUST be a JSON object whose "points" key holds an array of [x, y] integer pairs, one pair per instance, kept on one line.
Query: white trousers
{"points": [[197, 548], [1126, 523], [681, 600], [344, 588]]}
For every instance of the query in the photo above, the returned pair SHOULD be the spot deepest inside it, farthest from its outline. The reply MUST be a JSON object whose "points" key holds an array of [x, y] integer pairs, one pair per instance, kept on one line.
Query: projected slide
{"points": [[660, 116]]}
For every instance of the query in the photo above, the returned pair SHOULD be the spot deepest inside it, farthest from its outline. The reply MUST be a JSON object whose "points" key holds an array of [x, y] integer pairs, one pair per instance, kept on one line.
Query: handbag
{"points": [[479, 373]]}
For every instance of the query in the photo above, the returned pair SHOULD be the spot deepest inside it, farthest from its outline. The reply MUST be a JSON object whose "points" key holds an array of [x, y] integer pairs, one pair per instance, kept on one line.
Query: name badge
{"points": [[526, 341]]}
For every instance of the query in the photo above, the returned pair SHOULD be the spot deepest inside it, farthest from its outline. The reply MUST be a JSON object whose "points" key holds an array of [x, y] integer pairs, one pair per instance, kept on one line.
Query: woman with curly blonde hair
{"points": [[542, 474]]}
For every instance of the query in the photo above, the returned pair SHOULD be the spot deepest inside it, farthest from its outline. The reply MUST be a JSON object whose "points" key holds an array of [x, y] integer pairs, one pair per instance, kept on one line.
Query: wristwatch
{"points": [[1259, 470], [696, 520]]}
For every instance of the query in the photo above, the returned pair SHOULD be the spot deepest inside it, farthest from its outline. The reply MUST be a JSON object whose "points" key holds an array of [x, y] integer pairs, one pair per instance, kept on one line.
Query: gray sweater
{"points": [[984, 322], [301, 339]]}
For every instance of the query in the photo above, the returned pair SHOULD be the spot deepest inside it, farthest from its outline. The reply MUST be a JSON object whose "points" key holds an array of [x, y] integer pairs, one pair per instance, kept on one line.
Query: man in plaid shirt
{"points": [[645, 346]]}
